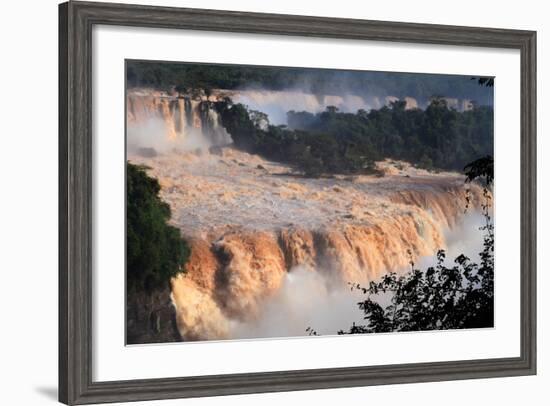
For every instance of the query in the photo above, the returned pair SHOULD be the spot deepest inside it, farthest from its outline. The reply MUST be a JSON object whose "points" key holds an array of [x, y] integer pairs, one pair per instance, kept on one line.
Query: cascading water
{"points": [[250, 229], [180, 122], [264, 242]]}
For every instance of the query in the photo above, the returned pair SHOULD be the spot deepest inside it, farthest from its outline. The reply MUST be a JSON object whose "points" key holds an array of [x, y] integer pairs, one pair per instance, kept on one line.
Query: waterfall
{"points": [[261, 242], [195, 112], [231, 278], [168, 116], [157, 120], [181, 124]]}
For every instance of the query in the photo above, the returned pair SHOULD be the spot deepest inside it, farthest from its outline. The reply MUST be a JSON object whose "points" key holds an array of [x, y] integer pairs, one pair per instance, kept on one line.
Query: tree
{"points": [[425, 162], [155, 250], [260, 119], [333, 142]]}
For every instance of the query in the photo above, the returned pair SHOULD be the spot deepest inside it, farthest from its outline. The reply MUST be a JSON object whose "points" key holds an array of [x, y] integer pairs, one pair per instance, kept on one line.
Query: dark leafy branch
{"points": [[485, 81], [481, 169]]}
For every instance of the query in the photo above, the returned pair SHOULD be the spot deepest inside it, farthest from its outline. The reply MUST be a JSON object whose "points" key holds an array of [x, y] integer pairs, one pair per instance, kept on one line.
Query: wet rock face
{"points": [[251, 222], [151, 318]]}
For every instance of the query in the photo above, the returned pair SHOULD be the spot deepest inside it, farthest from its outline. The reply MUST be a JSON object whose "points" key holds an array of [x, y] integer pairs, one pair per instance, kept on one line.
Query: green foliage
{"points": [[313, 153], [436, 138], [425, 162], [334, 142], [165, 75], [155, 250]]}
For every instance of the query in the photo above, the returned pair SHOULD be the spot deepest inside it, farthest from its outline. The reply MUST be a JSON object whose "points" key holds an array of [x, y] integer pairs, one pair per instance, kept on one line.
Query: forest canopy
{"points": [[168, 75], [331, 142]]}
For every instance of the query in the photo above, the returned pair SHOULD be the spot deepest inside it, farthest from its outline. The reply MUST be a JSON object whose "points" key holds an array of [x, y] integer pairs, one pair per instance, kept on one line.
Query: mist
{"points": [[313, 91], [306, 299], [238, 189], [151, 133], [277, 103], [166, 123], [465, 238], [313, 298]]}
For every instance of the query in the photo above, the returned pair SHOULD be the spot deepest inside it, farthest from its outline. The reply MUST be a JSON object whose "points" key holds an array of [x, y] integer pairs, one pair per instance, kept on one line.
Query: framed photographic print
{"points": [[257, 202]]}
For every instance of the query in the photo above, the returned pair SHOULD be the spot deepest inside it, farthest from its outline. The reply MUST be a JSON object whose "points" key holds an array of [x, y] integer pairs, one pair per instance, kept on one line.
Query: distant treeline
{"points": [[334, 142], [185, 76]]}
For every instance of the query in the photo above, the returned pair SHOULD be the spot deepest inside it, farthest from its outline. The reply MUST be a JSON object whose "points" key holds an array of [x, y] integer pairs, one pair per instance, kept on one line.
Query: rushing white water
{"points": [[306, 299], [166, 122], [254, 230], [314, 299]]}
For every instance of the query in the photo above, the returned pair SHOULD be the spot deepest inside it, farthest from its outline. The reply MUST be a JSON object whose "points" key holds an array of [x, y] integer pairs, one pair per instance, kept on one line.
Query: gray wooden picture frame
{"points": [[76, 20]]}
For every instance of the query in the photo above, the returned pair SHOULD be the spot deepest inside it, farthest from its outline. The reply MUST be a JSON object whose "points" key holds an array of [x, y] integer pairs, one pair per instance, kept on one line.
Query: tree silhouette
{"points": [[484, 81]]}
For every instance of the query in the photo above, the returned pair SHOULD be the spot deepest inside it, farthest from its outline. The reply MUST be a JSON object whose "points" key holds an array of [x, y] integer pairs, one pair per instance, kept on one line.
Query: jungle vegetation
{"points": [[437, 138], [155, 250]]}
